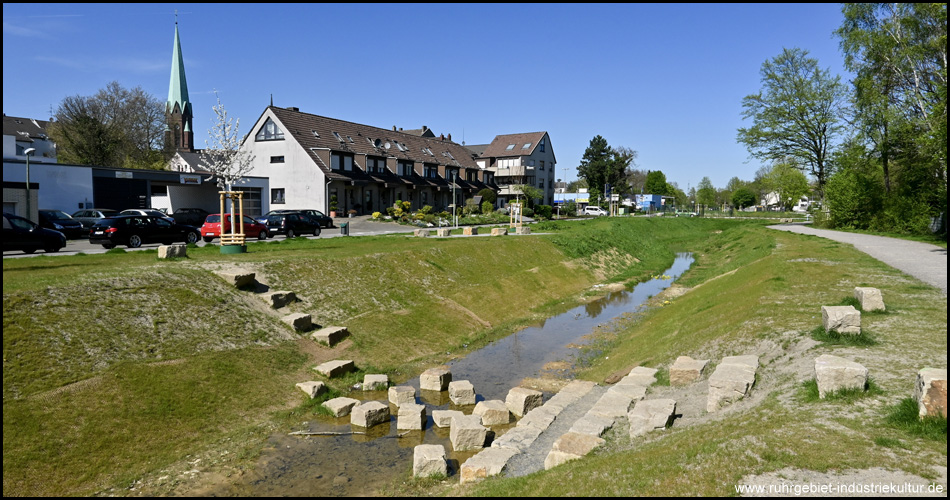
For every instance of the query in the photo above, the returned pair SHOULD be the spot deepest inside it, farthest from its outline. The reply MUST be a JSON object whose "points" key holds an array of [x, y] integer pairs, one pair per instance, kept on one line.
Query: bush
{"points": [[487, 207], [488, 195], [544, 211]]}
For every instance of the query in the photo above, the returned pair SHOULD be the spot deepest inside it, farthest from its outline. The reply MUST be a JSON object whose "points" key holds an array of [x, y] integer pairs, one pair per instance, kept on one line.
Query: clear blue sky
{"points": [[664, 80]]}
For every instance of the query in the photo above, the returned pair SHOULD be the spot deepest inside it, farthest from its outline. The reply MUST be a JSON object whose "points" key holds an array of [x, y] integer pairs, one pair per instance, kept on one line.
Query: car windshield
{"points": [[56, 214], [213, 219]]}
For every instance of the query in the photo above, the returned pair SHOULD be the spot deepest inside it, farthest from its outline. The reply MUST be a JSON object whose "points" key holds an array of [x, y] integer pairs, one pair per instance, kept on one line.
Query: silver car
{"points": [[89, 216]]}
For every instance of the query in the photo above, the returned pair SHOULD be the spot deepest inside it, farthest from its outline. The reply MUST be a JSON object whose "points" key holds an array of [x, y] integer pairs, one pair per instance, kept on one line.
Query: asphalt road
{"points": [[924, 261]]}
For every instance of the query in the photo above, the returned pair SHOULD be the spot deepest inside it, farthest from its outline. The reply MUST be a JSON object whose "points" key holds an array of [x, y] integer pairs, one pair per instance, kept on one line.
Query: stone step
{"points": [[330, 335], [300, 322], [279, 298]]}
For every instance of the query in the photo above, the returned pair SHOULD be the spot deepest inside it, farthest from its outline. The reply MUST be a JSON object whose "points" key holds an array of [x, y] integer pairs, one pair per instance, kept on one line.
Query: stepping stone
{"points": [[640, 375], [499, 231], [336, 367], [518, 438], [634, 392], [375, 382], [930, 391], [467, 433], [593, 425], [312, 388], [369, 414], [521, 400], [461, 392], [443, 418], [492, 412], [540, 418], [435, 379], [278, 299], [488, 462], [340, 407], [469, 231], [428, 460], [421, 233], [402, 394], [571, 446], [172, 251], [523, 230], [869, 298], [299, 321], [651, 414], [330, 335], [731, 381], [834, 373], [443, 232], [686, 370], [239, 279], [842, 319], [611, 405], [411, 417]]}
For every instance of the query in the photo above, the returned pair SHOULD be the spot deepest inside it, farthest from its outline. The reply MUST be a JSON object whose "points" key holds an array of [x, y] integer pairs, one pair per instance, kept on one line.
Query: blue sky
{"points": [[664, 80]]}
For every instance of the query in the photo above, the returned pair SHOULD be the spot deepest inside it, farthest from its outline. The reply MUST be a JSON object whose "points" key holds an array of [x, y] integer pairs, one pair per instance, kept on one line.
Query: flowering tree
{"points": [[224, 158]]}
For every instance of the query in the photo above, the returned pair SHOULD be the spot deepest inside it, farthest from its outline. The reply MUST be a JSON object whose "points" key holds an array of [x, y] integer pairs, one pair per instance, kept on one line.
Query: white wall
{"points": [[62, 187]]}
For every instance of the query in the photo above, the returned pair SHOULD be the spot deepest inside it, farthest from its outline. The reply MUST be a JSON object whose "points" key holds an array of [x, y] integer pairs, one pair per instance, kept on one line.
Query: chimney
{"points": [[441, 137], [450, 137], [424, 128], [394, 128]]}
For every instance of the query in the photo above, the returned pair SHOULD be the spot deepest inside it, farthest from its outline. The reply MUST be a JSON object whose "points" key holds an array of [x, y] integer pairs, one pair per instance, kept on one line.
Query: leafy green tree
{"points": [[488, 195], [530, 193], [706, 192], [602, 165], [787, 182], [743, 197], [573, 186], [796, 114], [656, 183]]}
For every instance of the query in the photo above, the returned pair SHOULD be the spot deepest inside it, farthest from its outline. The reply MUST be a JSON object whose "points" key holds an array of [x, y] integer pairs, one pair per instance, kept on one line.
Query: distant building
{"points": [[20, 134], [519, 159]]}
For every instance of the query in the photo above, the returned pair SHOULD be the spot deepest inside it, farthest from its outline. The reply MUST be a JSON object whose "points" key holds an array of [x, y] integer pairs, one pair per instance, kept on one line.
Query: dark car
{"points": [[320, 217], [89, 216], [292, 224], [190, 216], [22, 234], [134, 230], [151, 212], [57, 220]]}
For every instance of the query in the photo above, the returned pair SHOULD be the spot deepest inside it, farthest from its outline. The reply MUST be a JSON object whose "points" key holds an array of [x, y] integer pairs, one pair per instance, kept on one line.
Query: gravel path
{"points": [[924, 261], [532, 459]]}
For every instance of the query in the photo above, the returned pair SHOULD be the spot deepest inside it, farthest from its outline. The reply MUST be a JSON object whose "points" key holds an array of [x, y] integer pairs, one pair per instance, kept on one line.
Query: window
{"points": [[270, 132], [159, 190], [338, 161], [375, 165], [526, 146], [471, 175], [404, 168], [541, 145], [277, 196], [431, 171], [541, 184], [510, 147], [542, 164], [451, 174], [276, 159]]}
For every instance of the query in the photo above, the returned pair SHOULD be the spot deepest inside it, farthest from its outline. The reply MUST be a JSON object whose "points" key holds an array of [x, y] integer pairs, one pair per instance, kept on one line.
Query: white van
{"points": [[594, 210]]}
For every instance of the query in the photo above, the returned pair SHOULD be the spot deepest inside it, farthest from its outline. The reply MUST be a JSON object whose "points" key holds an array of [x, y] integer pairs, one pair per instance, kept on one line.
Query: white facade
{"points": [[61, 187]]}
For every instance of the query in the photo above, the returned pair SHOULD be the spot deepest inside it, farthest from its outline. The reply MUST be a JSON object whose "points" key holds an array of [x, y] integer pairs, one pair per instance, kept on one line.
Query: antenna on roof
{"points": [[272, 100]]}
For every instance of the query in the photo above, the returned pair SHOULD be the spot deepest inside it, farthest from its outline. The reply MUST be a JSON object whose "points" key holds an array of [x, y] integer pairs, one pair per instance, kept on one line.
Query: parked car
{"points": [[22, 234], [292, 224], [594, 210], [90, 216], [151, 212], [134, 230], [57, 220], [323, 219], [190, 216], [211, 229]]}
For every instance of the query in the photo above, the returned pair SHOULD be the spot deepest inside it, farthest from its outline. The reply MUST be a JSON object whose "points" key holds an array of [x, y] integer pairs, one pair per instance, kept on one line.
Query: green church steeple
{"points": [[178, 111]]}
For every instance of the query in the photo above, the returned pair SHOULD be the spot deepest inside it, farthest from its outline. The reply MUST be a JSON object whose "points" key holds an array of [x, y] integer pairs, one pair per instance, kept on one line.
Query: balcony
{"points": [[516, 171]]}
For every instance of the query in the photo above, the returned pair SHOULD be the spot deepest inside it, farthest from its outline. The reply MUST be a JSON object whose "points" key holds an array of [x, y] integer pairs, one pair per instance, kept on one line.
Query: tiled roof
{"points": [[317, 132], [24, 129], [499, 147]]}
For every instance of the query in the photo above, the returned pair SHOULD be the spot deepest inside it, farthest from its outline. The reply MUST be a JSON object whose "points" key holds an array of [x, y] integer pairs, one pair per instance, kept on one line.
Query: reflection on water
{"points": [[359, 461]]}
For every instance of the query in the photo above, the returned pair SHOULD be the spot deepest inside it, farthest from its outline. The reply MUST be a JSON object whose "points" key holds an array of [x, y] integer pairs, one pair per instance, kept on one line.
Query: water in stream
{"points": [[359, 465]]}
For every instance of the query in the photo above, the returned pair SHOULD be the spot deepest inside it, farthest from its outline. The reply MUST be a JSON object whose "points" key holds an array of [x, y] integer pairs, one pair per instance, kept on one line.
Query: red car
{"points": [[211, 229]]}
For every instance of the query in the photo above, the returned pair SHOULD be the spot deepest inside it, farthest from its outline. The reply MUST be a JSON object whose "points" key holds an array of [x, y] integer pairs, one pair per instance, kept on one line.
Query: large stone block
{"points": [[443, 232], [521, 400], [340, 407], [330, 335], [869, 298], [467, 433], [555, 458], [540, 417], [172, 251], [375, 382], [461, 392], [612, 405], [279, 298], [336, 367], [443, 418], [499, 231], [429, 460], [492, 412], [421, 233], [651, 414], [842, 319], [576, 443], [686, 370], [593, 425], [300, 322], [239, 279], [402, 394], [930, 391], [522, 230], [518, 438], [312, 388], [834, 374], [732, 380], [369, 414], [469, 231], [488, 462], [435, 379], [640, 375], [411, 417]]}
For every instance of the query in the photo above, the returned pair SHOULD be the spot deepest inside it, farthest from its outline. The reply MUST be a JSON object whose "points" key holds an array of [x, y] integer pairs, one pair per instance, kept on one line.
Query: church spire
{"points": [[178, 107]]}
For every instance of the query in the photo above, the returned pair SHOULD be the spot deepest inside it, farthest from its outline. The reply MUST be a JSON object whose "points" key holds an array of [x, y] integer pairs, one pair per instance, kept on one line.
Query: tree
{"points": [[706, 194], [116, 127], [531, 194], [224, 157], [743, 197], [787, 182], [656, 183], [488, 195], [602, 165], [796, 114], [573, 186]]}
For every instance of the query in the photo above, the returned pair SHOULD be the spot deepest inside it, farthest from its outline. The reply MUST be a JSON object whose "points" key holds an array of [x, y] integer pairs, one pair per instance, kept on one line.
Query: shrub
{"points": [[487, 207], [543, 211]]}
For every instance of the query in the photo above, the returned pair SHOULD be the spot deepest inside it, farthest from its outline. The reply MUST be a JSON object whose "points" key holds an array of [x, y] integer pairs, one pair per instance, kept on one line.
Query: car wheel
{"points": [[29, 250], [290, 233], [208, 239], [51, 249], [262, 235], [192, 237], [135, 241], [108, 246], [316, 231]]}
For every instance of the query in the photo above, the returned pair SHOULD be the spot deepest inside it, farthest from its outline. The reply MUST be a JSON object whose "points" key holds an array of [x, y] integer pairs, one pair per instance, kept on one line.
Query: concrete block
{"points": [[686, 370], [469, 231], [239, 279], [336, 367]]}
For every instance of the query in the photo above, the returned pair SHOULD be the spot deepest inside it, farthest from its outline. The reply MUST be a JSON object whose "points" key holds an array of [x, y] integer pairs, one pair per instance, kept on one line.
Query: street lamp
{"points": [[27, 153]]}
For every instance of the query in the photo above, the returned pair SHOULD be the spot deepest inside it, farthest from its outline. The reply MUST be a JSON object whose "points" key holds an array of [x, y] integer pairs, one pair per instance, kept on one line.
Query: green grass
{"points": [[905, 417], [832, 337], [809, 392]]}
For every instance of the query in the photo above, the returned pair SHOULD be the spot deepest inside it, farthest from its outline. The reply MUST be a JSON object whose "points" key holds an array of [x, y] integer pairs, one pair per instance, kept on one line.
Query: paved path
{"points": [[924, 261]]}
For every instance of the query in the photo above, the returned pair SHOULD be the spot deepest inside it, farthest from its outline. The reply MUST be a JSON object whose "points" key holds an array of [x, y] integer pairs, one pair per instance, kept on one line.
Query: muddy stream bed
{"points": [[353, 464]]}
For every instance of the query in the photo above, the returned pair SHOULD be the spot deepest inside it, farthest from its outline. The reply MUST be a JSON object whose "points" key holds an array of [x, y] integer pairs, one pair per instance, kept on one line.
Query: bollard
{"points": [[345, 228]]}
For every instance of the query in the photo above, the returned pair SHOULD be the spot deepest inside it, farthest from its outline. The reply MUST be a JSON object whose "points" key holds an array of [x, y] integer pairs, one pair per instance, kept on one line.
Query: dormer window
{"points": [[510, 147], [269, 132]]}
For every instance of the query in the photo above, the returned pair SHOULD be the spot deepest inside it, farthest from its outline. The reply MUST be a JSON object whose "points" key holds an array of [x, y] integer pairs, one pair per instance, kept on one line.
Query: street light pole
{"points": [[27, 153]]}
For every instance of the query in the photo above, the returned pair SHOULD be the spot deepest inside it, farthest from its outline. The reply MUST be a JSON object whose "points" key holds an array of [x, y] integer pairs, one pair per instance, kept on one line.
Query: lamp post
{"points": [[27, 153]]}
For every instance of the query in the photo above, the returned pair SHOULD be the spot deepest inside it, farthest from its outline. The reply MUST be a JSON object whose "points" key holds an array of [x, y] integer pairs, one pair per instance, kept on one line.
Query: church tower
{"points": [[179, 134]]}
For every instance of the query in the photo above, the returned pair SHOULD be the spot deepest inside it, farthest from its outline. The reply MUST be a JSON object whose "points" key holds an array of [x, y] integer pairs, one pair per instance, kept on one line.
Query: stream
{"points": [[362, 464]]}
